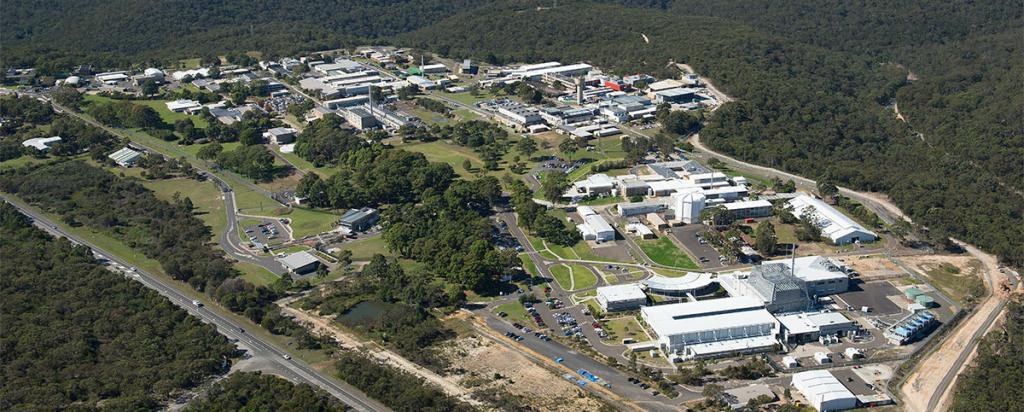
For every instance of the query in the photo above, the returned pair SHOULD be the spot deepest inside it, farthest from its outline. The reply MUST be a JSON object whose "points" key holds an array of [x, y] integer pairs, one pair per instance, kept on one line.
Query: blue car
{"points": [[559, 360]]}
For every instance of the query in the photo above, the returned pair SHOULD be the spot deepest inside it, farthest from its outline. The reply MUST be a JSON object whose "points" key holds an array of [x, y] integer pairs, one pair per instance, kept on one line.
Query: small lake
{"points": [[364, 312]]}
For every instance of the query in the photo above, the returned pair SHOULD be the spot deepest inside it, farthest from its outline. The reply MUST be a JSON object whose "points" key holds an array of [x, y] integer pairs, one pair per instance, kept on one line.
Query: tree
{"points": [[210, 151], [250, 136], [467, 165], [68, 97], [717, 215], [527, 146], [713, 391], [568, 147], [806, 229], [149, 87], [827, 189], [766, 238], [554, 184], [666, 144]]}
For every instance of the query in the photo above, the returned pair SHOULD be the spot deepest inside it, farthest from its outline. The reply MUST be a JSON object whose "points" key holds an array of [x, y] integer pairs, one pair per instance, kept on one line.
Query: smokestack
{"points": [[579, 91]]}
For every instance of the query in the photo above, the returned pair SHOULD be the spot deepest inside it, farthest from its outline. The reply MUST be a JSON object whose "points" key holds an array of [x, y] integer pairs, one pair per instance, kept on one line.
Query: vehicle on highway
{"points": [[197, 303], [287, 356]]}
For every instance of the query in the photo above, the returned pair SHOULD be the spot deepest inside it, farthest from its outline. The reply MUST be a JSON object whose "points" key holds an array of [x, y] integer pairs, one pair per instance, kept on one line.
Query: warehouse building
{"points": [[621, 297], [41, 144], [280, 135], [711, 328], [594, 185], [808, 327], [824, 391], [300, 262], [359, 219], [594, 227], [749, 209], [834, 225], [359, 117], [125, 157]]}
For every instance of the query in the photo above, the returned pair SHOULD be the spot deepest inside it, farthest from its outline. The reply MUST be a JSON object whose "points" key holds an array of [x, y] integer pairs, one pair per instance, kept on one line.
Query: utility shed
{"points": [[824, 391]]}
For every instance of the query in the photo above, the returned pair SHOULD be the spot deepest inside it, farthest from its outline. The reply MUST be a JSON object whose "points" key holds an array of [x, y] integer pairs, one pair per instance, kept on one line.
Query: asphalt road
{"points": [[292, 369]]}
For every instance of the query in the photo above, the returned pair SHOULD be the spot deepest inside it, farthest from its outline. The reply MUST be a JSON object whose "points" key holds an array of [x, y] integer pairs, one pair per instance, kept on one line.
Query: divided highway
{"points": [[293, 369]]}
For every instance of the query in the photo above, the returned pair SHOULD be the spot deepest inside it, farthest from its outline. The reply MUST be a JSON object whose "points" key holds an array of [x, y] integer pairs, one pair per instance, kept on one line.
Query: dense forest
{"points": [[77, 335], [258, 392], [994, 381]]}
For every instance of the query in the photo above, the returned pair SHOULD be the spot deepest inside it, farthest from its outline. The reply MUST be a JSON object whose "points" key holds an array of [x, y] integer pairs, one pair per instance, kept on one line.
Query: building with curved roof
{"points": [[694, 282]]}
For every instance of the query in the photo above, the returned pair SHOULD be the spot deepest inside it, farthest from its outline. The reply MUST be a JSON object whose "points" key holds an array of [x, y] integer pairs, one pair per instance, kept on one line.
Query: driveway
{"points": [[687, 236]]}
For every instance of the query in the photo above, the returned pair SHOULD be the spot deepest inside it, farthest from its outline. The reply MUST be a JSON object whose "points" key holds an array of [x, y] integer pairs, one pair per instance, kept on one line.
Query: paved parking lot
{"points": [[687, 235], [267, 233], [873, 295]]}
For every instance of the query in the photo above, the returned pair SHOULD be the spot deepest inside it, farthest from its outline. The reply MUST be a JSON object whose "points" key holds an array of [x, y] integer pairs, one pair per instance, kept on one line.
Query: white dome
{"points": [[153, 72], [72, 80]]}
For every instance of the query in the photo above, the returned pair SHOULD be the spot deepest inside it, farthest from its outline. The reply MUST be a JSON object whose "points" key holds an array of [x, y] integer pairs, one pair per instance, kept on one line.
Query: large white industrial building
{"points": [[711, 328], [594, 227], [821, 276], [834, 225], [621, 297], [824, 391]]}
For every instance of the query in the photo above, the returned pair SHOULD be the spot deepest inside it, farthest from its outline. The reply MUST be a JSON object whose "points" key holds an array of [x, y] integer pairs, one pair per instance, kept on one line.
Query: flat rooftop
{"points": [[704, 315], [619, 293]]}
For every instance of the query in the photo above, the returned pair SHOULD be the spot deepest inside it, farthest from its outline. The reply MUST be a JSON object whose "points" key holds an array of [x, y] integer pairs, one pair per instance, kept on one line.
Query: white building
{"points": [[434, 69], [594, 227], [691, 283], [749, 208], [594, 185], [640, 230], [821, 276], [570, 71], [710, 328], [833, 224], [41, 144], [280, 135], [300, 262], [183, 105], [621, 297], [687, 206], [807, 327], [126, 157], [824, 391]]}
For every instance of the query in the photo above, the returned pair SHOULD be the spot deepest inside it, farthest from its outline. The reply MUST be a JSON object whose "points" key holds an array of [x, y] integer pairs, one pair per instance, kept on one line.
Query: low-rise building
{"points": [[41, 144], [594, 227], [594, 185], [280, 135], [749, 209], [359, 219], [621, 297], [834, 225], [808, 327], [359, 117], [300, 263], [183, 105], [125, 157], [711, 328], [824, 391]]}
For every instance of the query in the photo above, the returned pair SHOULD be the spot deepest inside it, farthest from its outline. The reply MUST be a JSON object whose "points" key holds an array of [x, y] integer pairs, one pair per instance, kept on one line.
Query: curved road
{"points": [[290, 368]]}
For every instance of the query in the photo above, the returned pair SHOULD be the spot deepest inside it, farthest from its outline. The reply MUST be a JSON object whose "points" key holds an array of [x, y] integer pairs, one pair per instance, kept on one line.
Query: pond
{"points": [[364, 312]]}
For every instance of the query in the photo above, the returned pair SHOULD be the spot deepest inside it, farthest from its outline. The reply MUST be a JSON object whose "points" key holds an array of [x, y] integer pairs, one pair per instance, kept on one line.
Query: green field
{"points": [[364, 249], [467, 98], [256, 274], [305, 165], [160, 106], [961, 287], [583, 277], [516, 312], [622, 328], [205, 197], [664, 252], [24, 160], [454, 155], [528, 265]]}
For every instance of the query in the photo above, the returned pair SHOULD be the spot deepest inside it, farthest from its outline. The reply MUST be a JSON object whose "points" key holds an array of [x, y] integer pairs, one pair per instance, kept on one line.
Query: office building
{"points": [[710, 328], [621, 297]]}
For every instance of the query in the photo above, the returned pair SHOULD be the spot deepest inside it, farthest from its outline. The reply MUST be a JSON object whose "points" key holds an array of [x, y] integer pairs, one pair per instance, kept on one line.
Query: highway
{"points": [[290, 368]]}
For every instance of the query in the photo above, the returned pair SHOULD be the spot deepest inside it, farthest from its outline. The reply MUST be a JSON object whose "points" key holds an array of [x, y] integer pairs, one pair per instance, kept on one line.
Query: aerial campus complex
{"points": [[676, 260]]}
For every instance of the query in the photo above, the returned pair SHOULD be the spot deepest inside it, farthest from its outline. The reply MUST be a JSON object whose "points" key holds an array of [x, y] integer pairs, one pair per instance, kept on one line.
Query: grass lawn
{"points": [[622, 328], [664, 252], [516, 312], [454, 155], [160, 106], [191, 63], [961, 287], [308, 222], [256, 274], [467, 98], [528, 265], [669, 273], [206, 198], [24, 160], [607, 200], [305, 165], [583, 277], [364, 249]]}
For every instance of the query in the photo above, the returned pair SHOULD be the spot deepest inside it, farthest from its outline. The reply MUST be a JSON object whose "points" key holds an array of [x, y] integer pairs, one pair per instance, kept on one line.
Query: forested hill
{"points": [[126, 33], [819, 110], [78, 336]]}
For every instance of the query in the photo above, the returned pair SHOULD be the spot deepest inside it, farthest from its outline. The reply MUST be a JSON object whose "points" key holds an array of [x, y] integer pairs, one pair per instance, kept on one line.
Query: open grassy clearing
{"points": [[256, 274], [453, 155], [664, 252], [624, 327], [669, 273], [24, 160], [364, 249], [528, 265], [160, 106], [582, 276], [961, 286], [468, 98], [516, 312], [305, 165], [205, 197]]}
